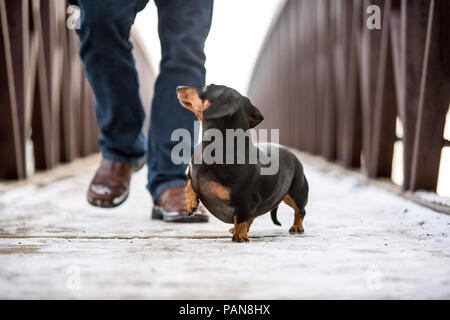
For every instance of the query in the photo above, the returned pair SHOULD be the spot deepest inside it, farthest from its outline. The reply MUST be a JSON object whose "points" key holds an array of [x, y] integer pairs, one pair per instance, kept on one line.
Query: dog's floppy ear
{"points": [[254, 115], [226, 106]]}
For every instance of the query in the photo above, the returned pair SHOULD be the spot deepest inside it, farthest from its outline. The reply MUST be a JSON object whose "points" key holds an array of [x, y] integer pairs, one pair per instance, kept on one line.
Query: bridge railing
{"points": [[45, 99], [336, 87]]}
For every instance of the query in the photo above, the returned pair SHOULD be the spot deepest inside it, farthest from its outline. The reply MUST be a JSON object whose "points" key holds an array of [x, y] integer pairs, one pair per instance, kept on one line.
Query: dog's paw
{"points": [[231, 230], [191, 210], [240, 238], [296, 229], [191, 205]]}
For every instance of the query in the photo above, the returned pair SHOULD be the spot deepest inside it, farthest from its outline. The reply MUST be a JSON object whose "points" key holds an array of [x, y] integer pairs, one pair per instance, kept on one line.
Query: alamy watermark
{"points": [[73, 20], [373, 277], [73, 281], [374, 20], [237, 146]]}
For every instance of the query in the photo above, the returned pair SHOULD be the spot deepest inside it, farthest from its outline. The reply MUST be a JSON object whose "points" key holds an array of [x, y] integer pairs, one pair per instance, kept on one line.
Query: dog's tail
{"points": [[273, 215]]}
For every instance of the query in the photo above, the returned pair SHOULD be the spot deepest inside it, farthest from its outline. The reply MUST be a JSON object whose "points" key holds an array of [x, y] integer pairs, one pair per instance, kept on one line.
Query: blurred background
{"points": [[375, 101]]}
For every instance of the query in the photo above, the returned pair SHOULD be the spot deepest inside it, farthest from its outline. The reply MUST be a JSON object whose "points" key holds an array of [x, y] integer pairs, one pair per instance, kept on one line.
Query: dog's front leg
{"points": [[191, 196], [240, 230]]}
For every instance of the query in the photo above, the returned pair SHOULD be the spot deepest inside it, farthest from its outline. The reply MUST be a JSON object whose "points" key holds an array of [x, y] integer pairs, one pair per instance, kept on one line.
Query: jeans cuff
{"points": [[164, 186], [131, 160]]}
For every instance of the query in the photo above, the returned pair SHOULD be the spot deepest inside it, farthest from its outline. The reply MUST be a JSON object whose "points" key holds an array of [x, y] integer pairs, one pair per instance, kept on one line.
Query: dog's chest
{"points": [[213, 195]]}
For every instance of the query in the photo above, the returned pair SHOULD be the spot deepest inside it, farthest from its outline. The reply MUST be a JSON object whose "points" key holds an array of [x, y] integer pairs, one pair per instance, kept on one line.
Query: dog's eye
{"points": [[188, 104]]}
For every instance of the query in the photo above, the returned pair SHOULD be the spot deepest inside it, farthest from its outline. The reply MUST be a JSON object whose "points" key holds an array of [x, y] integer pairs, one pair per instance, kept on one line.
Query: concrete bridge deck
{"points": [[360, 242]]}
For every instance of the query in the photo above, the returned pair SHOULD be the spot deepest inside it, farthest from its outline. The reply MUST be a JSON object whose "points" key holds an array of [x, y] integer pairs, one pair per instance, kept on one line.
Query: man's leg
{"points": [[107, 56], [183, 27]]}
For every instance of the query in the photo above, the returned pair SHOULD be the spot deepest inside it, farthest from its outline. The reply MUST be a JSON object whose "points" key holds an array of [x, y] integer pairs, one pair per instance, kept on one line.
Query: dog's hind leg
{"points": [[297, 198], [297, 227]]}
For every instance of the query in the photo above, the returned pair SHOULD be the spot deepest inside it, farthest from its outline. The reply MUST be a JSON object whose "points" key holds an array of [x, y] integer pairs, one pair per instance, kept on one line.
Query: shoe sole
{"points": [[107, 204], [157, 214]]}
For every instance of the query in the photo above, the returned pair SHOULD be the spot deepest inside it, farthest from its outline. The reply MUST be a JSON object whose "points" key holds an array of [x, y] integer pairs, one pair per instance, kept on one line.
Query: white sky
{"points": [[237, 33]]}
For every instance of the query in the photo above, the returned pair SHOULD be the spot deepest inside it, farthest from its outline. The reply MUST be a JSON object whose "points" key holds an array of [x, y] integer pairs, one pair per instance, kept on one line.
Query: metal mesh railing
{"points": [[336, 87], [45, 99]]}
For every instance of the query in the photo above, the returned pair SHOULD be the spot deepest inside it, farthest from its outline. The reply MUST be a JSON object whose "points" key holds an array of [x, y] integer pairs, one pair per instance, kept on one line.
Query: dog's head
{"points": [[216, 104]]}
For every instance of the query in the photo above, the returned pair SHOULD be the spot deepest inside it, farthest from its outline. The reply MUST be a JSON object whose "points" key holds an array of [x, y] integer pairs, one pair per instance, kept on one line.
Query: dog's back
{"points": [[289, 179]]}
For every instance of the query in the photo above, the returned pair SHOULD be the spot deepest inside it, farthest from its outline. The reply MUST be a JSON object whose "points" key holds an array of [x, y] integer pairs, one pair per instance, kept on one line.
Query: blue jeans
{"points": [[106, 51]]}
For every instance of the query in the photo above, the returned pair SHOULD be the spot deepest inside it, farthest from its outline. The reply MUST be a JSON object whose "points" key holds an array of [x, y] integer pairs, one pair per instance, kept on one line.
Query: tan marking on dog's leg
{"points": [[248, 227], [297, 227], [298, 224], [240, 230], [191, 198], [249, 224]]}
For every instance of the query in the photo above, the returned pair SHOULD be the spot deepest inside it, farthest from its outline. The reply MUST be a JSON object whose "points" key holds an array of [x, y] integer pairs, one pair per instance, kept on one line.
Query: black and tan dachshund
{"points": [[239, 192]]}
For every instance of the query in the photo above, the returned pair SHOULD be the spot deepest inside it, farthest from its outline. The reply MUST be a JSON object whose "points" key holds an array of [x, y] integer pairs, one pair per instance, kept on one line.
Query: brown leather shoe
{"points": [[171, 207], [111, 184]]}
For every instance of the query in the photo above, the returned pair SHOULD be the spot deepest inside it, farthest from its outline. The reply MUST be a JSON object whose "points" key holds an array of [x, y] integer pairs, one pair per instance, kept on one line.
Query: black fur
{"points": [[252, 194], [273, 215]]}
